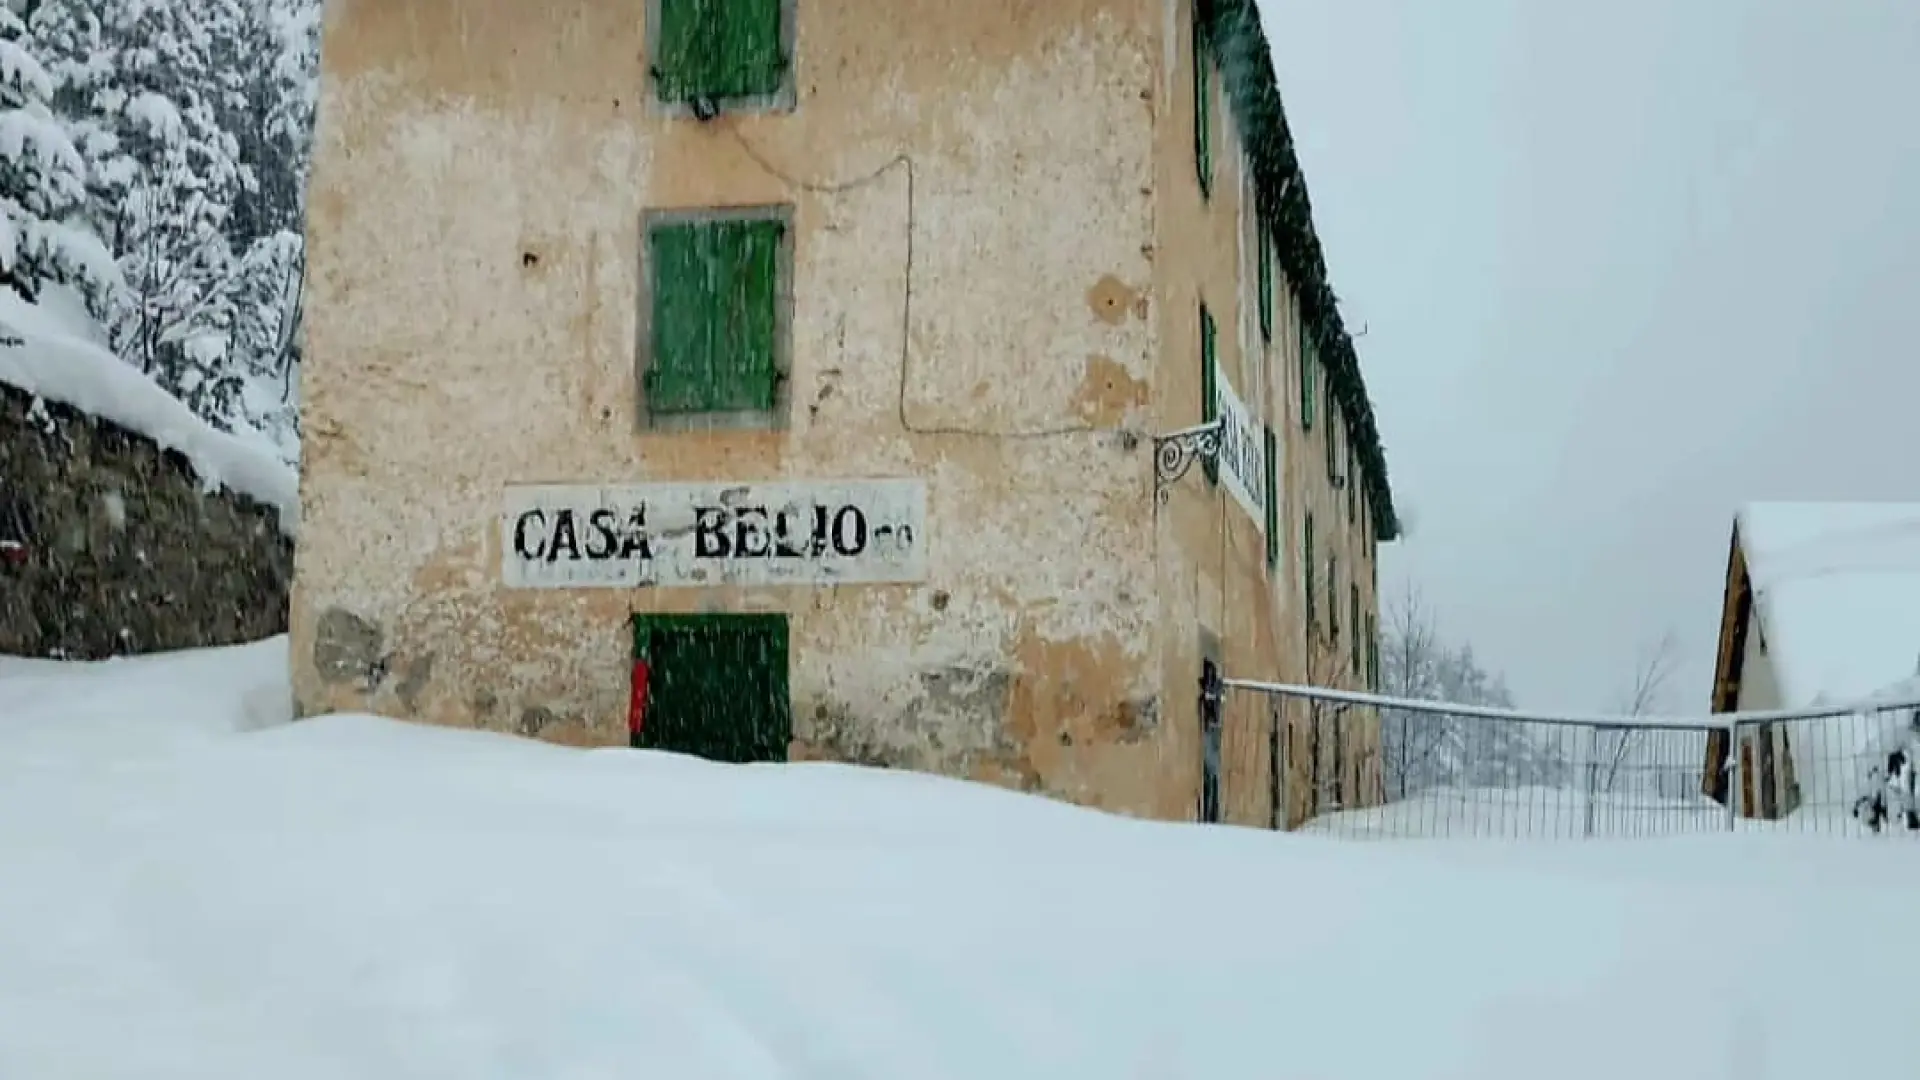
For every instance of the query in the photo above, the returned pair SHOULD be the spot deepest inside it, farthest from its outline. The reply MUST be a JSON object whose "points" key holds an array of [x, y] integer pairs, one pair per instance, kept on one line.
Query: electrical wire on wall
{"points": [[904, 162]]}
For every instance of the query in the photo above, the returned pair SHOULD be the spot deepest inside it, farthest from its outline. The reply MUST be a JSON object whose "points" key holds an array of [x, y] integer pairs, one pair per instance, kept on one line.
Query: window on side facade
{"points": [[714, 319], [1353, 482], [1309, 363], [1306, 570], [1333, 450], [715, 55], [1353, 620], [1209, 385], [1273, 498], [1202, 102], [1265, 278], [1333, 599]]}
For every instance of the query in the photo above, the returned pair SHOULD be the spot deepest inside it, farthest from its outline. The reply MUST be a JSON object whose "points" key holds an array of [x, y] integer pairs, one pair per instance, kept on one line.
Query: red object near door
{"points": [[637, 702]]}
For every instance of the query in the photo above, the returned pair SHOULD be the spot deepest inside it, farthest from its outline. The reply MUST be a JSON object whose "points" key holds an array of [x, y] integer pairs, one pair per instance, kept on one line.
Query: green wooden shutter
{"points": [[1266, 282], [1353, 481], [1353, 620], [1210, 387], [719, 49], [683, 312], [1202, 103], [1273, 499], [751, 61], [681, 50], [717, 687], [1309, 360], [750, 361], [1333, 452], [1333, 599], [1373, 653], [1306, 569], [715, 316]]}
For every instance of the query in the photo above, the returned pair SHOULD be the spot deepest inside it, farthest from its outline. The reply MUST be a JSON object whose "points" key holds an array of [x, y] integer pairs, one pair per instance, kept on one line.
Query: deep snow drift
{"points": [[194, 888]]}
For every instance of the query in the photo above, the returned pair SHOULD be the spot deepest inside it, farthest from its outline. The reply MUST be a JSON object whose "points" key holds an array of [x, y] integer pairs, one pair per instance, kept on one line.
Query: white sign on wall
{"points": [[830, 532], [1243, 452]]}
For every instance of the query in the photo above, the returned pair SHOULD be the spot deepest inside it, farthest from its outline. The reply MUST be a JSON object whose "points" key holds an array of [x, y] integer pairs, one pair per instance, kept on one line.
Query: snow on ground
{"points": [[1837, 588], [194, 888], [59, 360]]}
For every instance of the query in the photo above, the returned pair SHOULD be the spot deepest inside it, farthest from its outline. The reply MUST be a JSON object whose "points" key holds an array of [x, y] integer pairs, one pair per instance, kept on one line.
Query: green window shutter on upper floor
{"points": [[1373, 653], [1353, 480], [1353, 620], [1202, 103], [719, 49], [1333, 448], [716, 301], [1266, 283], [1273, 499], [1309, 362], [1209, 385], [1306, 568], [1333, 599]]}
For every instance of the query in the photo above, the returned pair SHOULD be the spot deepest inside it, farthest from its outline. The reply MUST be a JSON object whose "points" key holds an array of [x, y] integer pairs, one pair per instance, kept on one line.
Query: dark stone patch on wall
{"points": [[535, 720], [109, 546], [348, 649]]}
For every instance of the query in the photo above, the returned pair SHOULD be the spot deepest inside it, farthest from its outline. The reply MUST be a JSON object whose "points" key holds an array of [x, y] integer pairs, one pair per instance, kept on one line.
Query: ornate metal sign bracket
{"points": [[1175, 453]]}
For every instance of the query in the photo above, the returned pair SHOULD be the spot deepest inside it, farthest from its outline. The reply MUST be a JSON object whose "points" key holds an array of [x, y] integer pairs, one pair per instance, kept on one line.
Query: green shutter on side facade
{"points": [[1273, 499], [1210, 386], [1266, 283], [1306, 568], [1202, 105], [1309, 360]]}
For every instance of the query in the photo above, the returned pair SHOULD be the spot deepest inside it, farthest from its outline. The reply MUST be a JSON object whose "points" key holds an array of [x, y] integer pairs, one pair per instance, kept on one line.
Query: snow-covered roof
{"points": [[58, 360], [1837, 590]]}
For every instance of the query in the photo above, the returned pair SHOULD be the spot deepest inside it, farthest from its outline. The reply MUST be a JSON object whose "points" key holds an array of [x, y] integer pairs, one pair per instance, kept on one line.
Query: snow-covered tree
{"points": [[43, 191], [1423, 749]]}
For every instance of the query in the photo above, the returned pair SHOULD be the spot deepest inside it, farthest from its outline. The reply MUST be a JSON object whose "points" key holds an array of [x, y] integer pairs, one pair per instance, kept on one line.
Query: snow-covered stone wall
{"points": [[112, 546]]}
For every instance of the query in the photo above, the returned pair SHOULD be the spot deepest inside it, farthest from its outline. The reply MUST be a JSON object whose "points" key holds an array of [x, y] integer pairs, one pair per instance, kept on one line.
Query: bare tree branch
{"points": [[1653, 671]]}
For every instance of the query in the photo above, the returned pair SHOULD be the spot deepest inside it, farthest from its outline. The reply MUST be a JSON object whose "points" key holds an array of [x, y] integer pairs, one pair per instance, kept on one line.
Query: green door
{"points": [[716, 686]]}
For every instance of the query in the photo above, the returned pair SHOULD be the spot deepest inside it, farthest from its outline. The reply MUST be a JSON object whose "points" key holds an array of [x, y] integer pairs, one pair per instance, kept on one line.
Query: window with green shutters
{"points": [[1273, 499], [1266, 283], [1373, 653], [1353, 620], [1353, 481], [1309, 361], [714, 340], [1209, 385], [1202, 103], [710, 53], [1333, 599], [1306, 570], [1333, 453]]}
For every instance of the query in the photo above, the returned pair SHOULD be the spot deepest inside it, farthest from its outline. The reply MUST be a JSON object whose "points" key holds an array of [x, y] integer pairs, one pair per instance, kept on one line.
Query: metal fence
{"points": [[1367, 766]]}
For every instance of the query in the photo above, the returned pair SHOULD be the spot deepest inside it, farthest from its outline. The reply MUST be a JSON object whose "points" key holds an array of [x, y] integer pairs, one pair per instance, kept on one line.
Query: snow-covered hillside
{"points": [[196, 888], [53, 354]]}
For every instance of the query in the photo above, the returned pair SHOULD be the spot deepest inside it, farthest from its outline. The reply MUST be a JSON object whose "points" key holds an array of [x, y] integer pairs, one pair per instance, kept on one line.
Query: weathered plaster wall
{"points": [[1212, 568], [481, 168], [110, 546]]}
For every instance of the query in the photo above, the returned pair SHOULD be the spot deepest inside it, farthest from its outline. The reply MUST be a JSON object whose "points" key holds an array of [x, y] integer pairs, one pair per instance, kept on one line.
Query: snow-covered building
{"points": [[1821, 607], [764, 379]]}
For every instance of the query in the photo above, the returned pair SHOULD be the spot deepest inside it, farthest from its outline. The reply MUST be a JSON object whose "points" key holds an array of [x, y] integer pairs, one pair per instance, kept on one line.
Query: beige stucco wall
{"points": [[480, 171]]}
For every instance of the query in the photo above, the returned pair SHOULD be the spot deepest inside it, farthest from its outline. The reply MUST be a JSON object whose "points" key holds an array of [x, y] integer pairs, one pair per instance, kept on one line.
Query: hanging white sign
{"points": [[834, 532], [1243, 452]]}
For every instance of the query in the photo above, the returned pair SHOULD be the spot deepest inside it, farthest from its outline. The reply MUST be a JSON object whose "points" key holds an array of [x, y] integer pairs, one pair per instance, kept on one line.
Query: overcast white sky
{"points": [[1623, 266]]}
